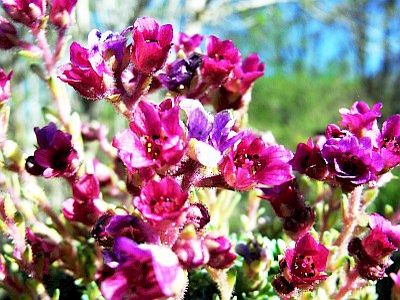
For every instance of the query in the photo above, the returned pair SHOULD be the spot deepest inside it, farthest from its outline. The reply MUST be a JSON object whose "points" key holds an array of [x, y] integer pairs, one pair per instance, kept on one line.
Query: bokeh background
{"points": [[320, 55]]}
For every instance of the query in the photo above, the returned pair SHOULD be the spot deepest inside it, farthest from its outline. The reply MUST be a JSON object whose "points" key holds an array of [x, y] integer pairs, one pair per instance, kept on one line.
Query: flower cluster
{"points": [[354, 154], [373, 252]]}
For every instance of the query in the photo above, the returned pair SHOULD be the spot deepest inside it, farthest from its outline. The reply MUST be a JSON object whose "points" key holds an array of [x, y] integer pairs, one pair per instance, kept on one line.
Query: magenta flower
{"points": [[389, 142], [252, 163], [361, 120], [188, 43], [245, 74], [151, 44], [351, 162], [143, 272], [303, 267], [155, 137], [61, 12], [161, 200], [308, 160], [221, 58], [89, 78], [55, 155], [8, 34], [221, 252], [5, 86], [27, 12], [85, 206], [288, 204], [373, 252], [109, 226]]}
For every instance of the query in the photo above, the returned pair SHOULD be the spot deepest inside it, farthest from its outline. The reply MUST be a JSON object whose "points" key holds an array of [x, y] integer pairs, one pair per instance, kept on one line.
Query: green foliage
{"points": [[297, 106]]}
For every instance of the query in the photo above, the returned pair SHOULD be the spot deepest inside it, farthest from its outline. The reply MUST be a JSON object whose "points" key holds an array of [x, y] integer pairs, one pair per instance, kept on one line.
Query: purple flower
{"points": [[361, 120], [221, 252], [188, 43], [245, 74], [8, 34], [27, 12], [87, 76], [109, 47], [151, 44], [252, 163], [85, 207], [155, 137], [308, 160], [180, 73], [61, 12], [221, 58], [373, 251], [5, 86], [143, 272], [389, 142], [109, 226], [351, 162], [303, 267], [55, 155], [213, 135], [161, 200], [288, 204], [44, 252]]}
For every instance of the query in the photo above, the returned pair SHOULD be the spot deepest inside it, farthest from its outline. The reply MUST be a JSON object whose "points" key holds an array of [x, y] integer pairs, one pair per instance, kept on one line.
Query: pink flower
{"points": [[87, 77], [27, 12], [143, 271], [61, 12], [155, 137], [85, 207], [245, 74], [303, 267], [151, 44], [252, 163], [389, 142], [221, 58], [5, 86], [361, 120], [372, 253], [188, 43], [161, 200]]}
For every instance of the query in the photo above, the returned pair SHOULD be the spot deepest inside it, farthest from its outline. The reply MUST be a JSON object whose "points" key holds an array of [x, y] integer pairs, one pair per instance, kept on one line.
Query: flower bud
{"points": [[61, 12], [221, 252], [27, 12]]}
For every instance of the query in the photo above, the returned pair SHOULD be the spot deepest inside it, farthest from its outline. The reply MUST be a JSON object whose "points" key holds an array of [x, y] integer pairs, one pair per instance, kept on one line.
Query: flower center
{"points": [[303, 266], [152, 148], [248, 161]]}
